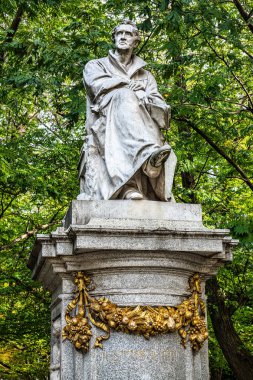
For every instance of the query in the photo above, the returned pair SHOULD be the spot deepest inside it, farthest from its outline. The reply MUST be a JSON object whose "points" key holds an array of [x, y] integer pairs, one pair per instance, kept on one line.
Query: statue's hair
{"points": [[127, 22]]}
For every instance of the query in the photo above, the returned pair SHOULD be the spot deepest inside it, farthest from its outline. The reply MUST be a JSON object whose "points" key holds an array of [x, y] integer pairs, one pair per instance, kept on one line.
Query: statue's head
{"points": [[126, 35]]}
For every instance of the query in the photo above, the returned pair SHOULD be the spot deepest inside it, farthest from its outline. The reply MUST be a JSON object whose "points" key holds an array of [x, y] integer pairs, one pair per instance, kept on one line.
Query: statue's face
{"points": [[125, 39]]}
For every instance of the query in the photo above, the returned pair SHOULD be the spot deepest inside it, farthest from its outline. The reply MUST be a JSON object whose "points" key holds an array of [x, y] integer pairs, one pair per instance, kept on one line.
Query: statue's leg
{"points": [[151, 171], [133, 188], [153, 166]]}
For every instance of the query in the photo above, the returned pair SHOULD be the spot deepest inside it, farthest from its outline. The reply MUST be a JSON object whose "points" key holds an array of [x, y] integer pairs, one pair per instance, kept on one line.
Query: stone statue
{"points": [[124, 156]]}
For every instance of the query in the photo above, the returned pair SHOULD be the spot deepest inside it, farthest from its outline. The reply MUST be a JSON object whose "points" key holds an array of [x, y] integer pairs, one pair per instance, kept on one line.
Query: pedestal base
{"points": [[136, 253], [133, 357]]}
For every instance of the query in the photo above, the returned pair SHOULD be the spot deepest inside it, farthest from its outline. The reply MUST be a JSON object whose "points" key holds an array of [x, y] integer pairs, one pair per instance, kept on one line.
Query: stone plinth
{"points": [[136, 253]]}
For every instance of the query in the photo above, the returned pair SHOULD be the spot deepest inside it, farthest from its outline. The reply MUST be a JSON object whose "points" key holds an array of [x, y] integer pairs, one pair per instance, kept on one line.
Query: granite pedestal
{"points": [[137, 253]]}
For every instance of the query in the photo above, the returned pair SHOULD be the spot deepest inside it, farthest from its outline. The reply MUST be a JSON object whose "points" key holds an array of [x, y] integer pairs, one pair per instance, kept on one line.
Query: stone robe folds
{"points": [[123, 131]]}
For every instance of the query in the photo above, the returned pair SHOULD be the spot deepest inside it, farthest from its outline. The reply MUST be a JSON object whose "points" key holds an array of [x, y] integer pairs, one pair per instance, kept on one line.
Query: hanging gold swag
{"points": [[188, 318]]}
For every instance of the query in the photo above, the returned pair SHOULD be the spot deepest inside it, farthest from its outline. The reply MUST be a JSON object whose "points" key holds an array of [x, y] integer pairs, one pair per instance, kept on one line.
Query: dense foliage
{"points": [[201, 54]]}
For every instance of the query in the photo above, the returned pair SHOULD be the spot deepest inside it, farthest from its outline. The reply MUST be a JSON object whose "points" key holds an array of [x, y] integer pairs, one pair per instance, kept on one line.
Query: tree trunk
{"points": [[12, 30], [216, 374], [238, 358], [188, 179]]}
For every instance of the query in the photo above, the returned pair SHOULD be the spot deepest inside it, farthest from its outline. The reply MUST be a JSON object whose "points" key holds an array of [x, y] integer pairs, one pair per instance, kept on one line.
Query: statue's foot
{"points": [[133, 195], [160, 156]]}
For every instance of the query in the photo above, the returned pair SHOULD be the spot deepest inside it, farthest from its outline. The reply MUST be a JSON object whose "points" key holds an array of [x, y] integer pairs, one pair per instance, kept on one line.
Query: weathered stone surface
{"points": [[136, 252], [81, 212], [124, 155]]}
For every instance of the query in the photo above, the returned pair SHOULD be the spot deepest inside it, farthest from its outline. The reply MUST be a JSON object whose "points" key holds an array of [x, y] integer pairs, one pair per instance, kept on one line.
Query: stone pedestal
{"points": [[136, 253]]}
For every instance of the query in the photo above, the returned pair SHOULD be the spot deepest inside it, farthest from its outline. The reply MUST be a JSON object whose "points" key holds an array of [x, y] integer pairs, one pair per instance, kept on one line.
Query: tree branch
{"points": [[12, 30], [5, 208], [30, 289], [238, 80], [246, 16], [201, 172], [218, 150], [28, 234], [5, 365], [237, 46], [21, 348], [147, 39]]}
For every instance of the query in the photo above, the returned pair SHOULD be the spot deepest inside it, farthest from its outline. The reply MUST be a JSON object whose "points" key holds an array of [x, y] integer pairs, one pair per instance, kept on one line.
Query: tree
{"points": [[202, 55]]}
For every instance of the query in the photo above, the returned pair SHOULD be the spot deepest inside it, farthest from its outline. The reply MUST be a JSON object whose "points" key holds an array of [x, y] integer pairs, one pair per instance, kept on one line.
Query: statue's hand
{"points": [[136, 86], [142, 96]]}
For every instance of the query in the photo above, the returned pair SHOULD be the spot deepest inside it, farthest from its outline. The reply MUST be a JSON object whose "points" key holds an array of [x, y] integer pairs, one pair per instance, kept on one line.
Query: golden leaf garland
{"points": [[188, 318]]}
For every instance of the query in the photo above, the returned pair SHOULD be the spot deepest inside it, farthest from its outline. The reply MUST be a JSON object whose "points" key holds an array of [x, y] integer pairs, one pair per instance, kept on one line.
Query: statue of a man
{"points": [[124, 156]]}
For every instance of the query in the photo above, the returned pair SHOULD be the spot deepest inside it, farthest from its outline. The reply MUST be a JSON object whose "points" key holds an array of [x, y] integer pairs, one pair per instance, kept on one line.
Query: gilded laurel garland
{"points": [[188, 318]]}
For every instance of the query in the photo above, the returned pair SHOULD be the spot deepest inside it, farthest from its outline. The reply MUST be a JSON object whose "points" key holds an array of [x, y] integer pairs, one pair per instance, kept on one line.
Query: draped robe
{"points": [[123, 130]]}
